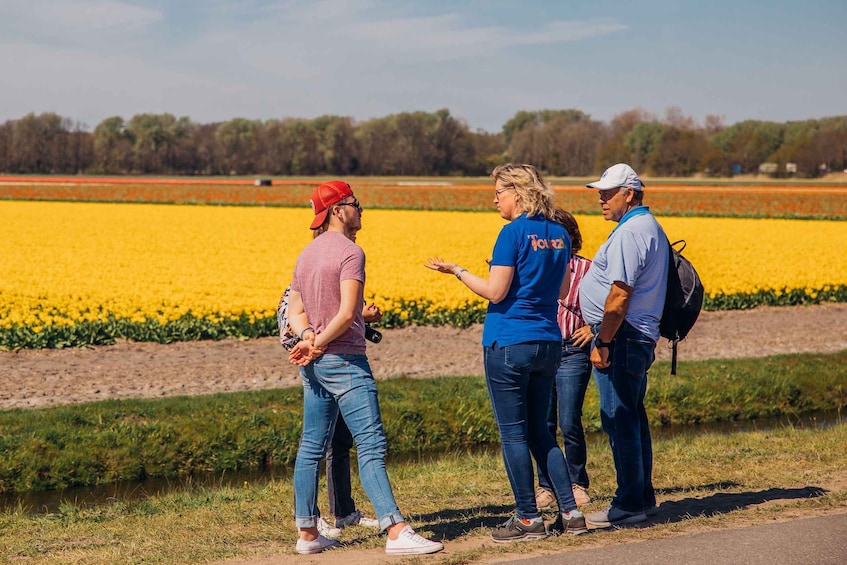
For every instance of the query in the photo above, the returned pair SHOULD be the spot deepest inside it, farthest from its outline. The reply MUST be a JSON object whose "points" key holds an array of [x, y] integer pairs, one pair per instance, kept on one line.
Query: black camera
{"points": [[372, 335]]}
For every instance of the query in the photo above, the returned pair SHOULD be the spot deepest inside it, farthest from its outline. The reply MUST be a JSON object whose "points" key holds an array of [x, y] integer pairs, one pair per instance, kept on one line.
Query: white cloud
{"points": [[359, 28], [296, 41], [73, 20], [447, 33]]}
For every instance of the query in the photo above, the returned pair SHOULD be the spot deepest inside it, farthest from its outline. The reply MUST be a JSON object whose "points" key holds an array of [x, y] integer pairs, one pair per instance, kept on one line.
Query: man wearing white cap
{"points": [[622, 297]]}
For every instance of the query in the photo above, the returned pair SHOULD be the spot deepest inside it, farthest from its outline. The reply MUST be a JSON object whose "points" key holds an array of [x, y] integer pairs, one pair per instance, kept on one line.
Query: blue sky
{"points": [[214, 60]]}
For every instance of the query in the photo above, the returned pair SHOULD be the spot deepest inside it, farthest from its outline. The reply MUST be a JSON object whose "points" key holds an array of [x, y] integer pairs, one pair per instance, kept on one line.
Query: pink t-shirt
{"points": [[329, 259]]}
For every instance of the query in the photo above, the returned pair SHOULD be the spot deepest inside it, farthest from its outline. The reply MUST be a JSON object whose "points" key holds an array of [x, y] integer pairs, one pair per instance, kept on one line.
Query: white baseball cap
{"points": [[617, 176]]}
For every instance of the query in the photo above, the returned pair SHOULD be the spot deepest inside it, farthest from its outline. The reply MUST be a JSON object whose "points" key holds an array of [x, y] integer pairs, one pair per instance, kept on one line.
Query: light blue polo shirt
{"points": [[636, 254], [539, 251]]}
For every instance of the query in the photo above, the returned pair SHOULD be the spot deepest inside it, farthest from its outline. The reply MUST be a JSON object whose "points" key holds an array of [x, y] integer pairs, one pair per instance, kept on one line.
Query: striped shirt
{"points": [[570, 314]]}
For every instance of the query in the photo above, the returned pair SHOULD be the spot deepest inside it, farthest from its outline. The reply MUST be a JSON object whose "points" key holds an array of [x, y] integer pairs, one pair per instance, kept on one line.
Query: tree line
{"points": [[560, 142]]}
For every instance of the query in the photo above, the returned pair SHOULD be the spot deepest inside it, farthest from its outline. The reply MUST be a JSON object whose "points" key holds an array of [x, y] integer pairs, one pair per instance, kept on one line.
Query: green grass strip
{"points": [[101, 442]]}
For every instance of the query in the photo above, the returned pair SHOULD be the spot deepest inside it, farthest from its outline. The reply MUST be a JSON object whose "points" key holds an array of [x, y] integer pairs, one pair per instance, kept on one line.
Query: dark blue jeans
{"points": [[520, 380], [338, 485], [569, 389], [622, 387]]}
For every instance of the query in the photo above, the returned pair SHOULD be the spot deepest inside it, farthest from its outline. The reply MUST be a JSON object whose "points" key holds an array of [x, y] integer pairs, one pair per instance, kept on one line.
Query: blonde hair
{"points": [[536, 197]]}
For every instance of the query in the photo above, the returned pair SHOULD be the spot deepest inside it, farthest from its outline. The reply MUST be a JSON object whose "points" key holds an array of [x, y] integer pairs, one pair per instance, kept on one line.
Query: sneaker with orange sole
{"points": [[519, 529]]}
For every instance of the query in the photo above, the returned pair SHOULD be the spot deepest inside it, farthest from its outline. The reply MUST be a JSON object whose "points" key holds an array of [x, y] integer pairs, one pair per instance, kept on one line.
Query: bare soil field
{"points": [[40, 378]]}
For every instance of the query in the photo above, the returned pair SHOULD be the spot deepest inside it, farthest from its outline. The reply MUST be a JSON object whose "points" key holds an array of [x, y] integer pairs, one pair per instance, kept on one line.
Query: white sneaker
{"points": [[315, 546], [410, 543], [356, 518], [368, 522], [612, 516], [328, 531]]}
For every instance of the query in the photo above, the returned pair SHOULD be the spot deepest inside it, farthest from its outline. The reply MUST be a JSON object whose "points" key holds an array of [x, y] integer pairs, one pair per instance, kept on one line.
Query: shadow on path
{"points": [[672, 511], [452, 523]]}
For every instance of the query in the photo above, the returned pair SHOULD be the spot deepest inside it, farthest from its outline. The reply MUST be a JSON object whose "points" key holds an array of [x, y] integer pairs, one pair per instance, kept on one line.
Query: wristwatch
{"points": [[599, 343]]}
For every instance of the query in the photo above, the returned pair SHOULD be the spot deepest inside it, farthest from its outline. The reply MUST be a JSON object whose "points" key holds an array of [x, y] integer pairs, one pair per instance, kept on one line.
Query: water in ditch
{"points": [[46, 502]]}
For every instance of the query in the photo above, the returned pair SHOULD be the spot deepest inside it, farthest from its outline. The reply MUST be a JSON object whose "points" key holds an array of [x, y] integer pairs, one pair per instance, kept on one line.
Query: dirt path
{"points": [[31, 379]]}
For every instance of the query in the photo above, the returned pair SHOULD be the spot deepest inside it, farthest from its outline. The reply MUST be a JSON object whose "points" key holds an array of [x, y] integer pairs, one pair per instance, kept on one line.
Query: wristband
{"points": [[459, 274], [309, 329], [600, 343]]}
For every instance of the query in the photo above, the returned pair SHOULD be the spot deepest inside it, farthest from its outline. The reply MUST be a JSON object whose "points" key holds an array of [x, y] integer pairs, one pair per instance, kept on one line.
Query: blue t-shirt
{"points": [[635, 254], [539, 251]]}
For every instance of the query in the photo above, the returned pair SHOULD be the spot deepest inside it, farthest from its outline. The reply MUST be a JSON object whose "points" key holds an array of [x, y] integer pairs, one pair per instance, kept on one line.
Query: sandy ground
{"points": [[37, 378]]}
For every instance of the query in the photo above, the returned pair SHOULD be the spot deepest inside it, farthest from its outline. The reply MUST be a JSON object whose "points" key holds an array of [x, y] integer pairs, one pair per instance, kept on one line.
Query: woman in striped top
{"points": [[572, 377]]}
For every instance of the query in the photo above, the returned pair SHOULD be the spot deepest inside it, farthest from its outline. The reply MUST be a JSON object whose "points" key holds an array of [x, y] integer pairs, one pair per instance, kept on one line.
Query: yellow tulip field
{"points": [[84, 273]]}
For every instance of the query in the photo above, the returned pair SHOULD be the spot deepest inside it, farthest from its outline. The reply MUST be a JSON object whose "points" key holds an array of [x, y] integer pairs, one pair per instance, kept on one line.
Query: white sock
{"points": [[571, 514]]}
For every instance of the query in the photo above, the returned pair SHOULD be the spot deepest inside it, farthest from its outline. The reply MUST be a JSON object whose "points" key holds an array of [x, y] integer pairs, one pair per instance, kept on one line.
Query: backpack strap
{"points": [[675, 340], [677, 242], [673, 355]]}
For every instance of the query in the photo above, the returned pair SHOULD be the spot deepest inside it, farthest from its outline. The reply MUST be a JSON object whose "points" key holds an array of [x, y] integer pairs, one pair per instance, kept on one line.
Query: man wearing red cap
{"points": [[325, 311]]}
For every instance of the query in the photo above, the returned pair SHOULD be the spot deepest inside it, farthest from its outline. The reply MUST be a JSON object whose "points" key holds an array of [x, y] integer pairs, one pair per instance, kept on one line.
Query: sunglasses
{"points": [[355, 204]]}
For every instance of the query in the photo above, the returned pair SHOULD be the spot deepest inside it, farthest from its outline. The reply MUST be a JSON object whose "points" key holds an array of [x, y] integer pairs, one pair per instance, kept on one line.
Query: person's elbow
{"points": [[564, 290], [345, 318], [498, 283], [496, 297]]}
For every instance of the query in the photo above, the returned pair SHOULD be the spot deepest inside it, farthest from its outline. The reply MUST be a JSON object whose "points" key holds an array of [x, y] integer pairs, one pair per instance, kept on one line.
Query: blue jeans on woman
{"points": [[622, 387], [344, 383], [520, 381], [566, 402]]}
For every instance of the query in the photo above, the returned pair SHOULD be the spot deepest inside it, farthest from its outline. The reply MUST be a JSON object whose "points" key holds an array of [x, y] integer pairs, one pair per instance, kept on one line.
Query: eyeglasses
{"points": [[497, 191], [355, 204]]}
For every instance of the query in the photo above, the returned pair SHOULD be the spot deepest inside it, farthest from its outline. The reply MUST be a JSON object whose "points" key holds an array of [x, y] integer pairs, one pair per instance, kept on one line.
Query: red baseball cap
{"points": [[326, 195]]}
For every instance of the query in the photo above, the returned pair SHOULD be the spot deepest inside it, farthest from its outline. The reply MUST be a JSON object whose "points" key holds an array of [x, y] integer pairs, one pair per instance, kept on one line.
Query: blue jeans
{"points": [[344, 383], [520, 380], [622, 387], [566, 411]]}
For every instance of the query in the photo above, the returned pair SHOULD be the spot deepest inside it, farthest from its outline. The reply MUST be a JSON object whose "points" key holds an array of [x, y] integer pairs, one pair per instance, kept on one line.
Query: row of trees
{"points": [[560, 142], [569, 142]]}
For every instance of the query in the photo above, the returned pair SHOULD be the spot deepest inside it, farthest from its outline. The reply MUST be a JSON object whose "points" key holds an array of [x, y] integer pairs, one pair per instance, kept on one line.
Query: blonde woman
{"points": [[522, 343]]}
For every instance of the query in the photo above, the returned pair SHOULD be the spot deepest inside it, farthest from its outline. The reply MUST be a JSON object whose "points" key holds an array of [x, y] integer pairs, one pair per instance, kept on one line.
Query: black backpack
{"points": [[683, 300]]}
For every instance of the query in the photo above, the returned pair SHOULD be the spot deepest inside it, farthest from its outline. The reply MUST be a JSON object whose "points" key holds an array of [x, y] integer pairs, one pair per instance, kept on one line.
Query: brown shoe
{"points": [[574, 525], [580, 495], [544, 499]]}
